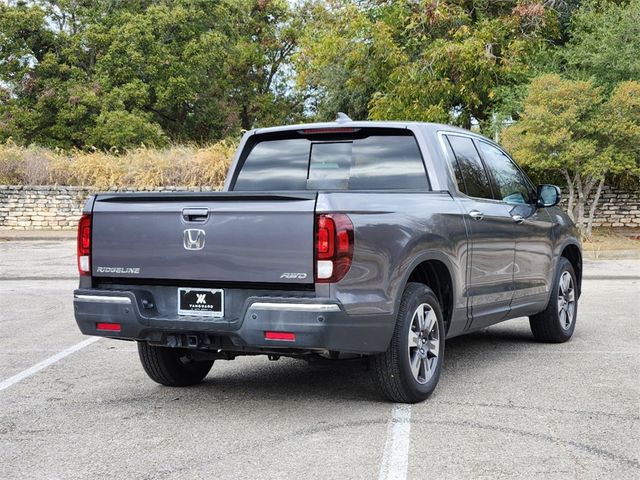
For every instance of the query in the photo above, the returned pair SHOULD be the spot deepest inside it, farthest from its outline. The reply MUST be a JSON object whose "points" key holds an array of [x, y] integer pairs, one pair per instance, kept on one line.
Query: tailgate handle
{"points": [[196, 215]]}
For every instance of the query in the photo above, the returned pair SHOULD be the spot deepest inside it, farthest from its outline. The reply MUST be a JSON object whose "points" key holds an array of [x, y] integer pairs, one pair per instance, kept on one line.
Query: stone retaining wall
{"points": [[58, 208], [52, 208], [618, 208]]}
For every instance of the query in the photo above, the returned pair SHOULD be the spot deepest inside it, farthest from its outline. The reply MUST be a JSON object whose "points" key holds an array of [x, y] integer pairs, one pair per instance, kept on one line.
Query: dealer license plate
{"points": [[201, 302]]}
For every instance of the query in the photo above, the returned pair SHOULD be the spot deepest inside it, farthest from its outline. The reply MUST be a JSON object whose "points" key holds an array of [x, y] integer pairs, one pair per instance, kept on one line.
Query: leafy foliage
{"points": [[104, 74], [604, 43], [445, 61], [572, 127]]}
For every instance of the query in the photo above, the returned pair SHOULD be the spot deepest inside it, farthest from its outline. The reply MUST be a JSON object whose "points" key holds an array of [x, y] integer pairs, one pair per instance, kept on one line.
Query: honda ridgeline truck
{"points": [[342, 240]]}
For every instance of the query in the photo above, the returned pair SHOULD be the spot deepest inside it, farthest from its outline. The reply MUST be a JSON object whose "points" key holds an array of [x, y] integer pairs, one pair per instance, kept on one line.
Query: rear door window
{"points": [[474, 176], [366, 160]]}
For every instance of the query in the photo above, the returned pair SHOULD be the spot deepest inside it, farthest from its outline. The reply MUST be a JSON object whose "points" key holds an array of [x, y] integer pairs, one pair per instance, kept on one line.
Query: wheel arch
{"points": [[434, 270], [572, 252]]}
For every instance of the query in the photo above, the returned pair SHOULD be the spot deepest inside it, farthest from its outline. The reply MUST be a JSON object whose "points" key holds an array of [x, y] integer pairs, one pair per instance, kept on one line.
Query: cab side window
{"points": [[474, 176], [455, 166], [511, 183]]}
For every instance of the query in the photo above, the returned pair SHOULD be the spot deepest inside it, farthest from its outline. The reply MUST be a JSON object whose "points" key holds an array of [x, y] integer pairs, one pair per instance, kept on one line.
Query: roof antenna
{"points": [[343, 118]]}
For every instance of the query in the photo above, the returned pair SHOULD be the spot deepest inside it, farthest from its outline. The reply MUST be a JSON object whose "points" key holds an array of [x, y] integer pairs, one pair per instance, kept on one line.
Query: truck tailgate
{"points": [[220, 236]]}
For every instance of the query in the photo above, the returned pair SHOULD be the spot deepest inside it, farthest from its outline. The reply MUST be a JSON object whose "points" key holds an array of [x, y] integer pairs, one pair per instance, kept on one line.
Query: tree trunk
{"points": [[571, 201], [245, 121], [579, 208], [465, 119], [592, 208], [580, 189]]}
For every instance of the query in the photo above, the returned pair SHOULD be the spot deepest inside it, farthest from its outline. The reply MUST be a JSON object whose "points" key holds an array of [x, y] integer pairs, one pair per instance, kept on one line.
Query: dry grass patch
{"points": [[607, 240], [180, 165]]}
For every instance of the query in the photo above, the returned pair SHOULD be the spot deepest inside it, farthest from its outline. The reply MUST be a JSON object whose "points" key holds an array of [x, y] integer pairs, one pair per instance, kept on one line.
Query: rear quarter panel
{"points": [[393, 233]]}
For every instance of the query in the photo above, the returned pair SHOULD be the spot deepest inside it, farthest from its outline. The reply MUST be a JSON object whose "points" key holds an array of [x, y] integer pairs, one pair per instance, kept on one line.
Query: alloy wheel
{"points": [[424, 343], [566, 300]]}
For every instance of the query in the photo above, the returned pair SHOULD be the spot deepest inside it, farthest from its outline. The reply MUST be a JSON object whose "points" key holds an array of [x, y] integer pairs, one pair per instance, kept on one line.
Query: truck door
{"points": [[533, 270], [491, 237]]}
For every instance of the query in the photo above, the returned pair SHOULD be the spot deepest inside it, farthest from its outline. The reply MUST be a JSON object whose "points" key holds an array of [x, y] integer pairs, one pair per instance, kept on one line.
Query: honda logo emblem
{"points": [[194, 239]]}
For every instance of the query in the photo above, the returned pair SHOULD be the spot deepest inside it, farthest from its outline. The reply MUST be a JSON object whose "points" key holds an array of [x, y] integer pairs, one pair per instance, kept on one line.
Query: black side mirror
{"points": [[548, 195]]}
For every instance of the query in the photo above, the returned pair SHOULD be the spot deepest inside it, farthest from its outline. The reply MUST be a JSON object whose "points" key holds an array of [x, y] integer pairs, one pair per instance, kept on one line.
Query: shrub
{"points": [[124, 128]]}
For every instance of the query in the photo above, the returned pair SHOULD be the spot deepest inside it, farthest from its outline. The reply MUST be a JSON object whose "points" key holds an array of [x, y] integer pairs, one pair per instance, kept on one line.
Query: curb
{"points": [[24, 235], [629, 278], [612, 254]]}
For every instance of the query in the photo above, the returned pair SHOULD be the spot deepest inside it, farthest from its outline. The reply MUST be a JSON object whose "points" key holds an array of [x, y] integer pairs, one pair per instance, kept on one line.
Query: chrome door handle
{"points": [[476, 215], [518, 218]]}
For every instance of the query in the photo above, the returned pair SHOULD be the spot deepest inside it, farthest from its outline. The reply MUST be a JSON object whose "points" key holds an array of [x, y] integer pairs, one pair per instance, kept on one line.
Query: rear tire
{"points": [[409, 370], [172, 366], [558, 321]]}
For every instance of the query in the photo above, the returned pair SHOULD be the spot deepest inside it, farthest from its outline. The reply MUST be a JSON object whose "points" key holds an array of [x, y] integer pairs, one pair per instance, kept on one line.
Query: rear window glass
{"points": [[366, 161]]}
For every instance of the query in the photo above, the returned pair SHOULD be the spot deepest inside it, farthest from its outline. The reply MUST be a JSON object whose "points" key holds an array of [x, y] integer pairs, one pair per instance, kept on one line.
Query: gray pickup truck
{"points": [[346, 239]]}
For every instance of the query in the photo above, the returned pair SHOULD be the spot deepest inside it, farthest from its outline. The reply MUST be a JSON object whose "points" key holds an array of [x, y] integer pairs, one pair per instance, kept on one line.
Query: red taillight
{"points": [[109, 327], [84, 245], [334, 246], [325, 235], [282, 336]]}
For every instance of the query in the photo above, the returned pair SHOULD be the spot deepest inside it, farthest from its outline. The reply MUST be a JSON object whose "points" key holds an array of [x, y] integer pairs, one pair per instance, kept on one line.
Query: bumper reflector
{"points": [[109, 327], [282, 336]]}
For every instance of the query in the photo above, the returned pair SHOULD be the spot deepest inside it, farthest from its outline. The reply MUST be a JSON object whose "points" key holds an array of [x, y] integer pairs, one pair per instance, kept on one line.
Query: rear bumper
{"points": [[318, 324]]}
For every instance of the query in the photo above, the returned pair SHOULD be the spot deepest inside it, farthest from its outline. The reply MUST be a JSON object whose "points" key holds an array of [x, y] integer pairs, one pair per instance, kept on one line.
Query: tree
{"points": [[268, 37], [346, 54], [604, 43], [571, 127], [459, 74], [446, 61], [104, 73]]}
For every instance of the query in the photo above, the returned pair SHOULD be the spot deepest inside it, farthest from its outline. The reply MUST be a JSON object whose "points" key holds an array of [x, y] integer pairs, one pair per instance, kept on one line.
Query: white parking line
{"points": [[46, 362], [395, 458]]}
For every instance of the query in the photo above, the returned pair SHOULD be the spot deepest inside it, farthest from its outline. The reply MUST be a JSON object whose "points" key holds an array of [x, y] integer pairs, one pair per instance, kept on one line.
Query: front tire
{"points": [[558, 321], [409, 370], [172, 366]]}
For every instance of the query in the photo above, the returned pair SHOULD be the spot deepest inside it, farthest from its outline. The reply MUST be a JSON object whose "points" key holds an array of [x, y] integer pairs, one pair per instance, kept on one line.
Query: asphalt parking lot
{"points": [[506, 407]]}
